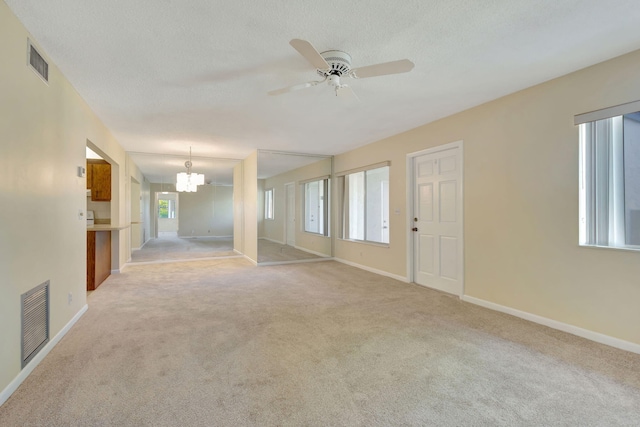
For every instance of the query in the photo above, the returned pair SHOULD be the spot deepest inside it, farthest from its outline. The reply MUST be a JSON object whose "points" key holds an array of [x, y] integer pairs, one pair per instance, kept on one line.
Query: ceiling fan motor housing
{"points": [[339, 61]]}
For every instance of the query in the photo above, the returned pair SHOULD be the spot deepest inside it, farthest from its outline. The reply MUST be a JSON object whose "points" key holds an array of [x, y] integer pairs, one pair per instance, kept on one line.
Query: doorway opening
{"points": [[167, 214]]}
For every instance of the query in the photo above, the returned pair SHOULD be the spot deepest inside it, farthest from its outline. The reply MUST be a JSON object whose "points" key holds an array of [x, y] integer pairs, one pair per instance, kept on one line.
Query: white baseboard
{"points": [[373, 270], [271, 240], [174, 261], [205, 236], [297, 261], [300, 248], [24, 373], [250, 260], [246, 257], [565, 327]]}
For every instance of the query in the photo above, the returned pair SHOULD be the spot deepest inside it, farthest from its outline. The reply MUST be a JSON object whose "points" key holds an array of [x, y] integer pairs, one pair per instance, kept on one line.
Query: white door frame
{"points": [[411, 208]]}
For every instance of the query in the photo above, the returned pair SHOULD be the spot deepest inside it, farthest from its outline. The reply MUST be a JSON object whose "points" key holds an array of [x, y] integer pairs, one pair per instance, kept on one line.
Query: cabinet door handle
{"points": [[414, 229]]}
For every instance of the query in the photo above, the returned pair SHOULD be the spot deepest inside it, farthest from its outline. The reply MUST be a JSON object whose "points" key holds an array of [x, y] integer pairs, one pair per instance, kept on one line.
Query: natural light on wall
{"points": [[609, 201]]}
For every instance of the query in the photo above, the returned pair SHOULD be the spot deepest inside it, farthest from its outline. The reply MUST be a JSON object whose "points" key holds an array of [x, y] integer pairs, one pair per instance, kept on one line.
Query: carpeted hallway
{"points": [[220, 342]]}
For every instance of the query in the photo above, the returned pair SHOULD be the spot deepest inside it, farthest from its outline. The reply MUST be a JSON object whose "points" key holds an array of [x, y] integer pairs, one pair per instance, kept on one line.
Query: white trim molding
{"points": [[255, 263], [555, 324], [373, 270], [605, 113], [296, 261], [271, 240], [24, 373], [309, 251]]}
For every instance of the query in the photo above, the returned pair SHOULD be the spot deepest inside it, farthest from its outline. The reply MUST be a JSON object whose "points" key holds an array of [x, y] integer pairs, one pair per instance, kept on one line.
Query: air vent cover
{"points": [[38, 63], [35, 321]]}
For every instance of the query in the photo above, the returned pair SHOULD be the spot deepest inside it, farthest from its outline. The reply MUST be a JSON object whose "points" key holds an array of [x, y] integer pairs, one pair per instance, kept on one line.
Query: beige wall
{"points": [[138, 208], [250, 198], [260, 213], [245, 205], [207, 212], [238, 207], [275, 229], [521, 203], [44, 131]]}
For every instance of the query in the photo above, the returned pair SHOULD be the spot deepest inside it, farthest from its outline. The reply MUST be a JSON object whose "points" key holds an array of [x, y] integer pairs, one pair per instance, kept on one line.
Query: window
{"points": [[610, 181], [268, 204], [166, 208], [316, 206], [365, 205]]}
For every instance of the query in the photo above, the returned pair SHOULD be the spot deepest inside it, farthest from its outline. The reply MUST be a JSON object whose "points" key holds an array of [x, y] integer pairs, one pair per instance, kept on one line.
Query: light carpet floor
{"points": [[167, 248], [222, 343]]}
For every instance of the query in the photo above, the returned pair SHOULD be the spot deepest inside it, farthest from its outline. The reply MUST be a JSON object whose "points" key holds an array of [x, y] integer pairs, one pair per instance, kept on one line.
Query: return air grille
{"points": [[38, 63], [35, 321]]}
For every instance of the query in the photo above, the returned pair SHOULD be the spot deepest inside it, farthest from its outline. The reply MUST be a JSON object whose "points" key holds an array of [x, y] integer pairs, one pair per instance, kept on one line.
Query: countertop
{"points": [[106, 227]]}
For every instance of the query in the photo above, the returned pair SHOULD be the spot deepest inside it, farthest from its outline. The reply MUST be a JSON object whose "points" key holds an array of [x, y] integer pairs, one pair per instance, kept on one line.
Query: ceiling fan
{"points": [[333, 65]]}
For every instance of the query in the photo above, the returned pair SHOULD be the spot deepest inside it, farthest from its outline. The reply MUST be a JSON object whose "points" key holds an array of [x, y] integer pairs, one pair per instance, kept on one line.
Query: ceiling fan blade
{"points": [[310, 53], [393, 67], [292, 88], [346, 92]]}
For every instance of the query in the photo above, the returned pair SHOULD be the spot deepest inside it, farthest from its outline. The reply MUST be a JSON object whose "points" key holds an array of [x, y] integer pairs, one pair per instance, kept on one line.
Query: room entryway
{"points": [[436, 223], [167, 211]]}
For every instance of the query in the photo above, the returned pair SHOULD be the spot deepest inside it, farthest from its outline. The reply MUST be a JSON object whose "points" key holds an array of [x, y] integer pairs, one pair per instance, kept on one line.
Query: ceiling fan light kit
{"points": [[333, 65]]}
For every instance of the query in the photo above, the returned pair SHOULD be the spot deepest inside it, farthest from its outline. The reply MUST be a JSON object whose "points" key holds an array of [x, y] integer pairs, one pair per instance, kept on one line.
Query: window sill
{"points": [[364, 242], [618, 248]]}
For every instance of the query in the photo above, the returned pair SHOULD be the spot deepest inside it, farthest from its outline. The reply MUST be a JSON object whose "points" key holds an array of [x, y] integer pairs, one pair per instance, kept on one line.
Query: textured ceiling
{"points": [[166, 75]]}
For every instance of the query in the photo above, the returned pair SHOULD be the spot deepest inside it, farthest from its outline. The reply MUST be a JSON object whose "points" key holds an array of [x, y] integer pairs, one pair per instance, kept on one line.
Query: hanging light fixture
{"points": [[189, 181]]}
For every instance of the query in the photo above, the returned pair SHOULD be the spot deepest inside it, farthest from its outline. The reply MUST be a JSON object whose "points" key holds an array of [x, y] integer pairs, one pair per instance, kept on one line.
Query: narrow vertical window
{"points": [[268, 204]]}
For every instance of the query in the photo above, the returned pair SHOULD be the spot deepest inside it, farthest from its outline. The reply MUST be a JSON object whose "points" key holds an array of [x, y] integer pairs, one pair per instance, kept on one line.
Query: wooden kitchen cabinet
{"points": [[89, 175], [98, 258], [99, 180]]}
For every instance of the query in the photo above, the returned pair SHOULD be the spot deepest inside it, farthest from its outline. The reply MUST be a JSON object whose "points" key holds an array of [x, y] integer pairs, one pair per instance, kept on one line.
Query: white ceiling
{"points": [[167, 75]]}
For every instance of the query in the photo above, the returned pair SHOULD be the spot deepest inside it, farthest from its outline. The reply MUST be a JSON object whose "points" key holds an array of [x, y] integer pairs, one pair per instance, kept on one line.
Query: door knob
{"points": [[414, 229]]}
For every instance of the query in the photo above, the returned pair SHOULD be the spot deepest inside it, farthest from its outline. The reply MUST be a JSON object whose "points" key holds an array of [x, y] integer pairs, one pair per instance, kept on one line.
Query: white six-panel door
{"points": [[437, 222]]}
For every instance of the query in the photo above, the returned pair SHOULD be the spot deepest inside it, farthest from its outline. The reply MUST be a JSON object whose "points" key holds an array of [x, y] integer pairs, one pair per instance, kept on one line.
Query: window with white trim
{"points": [[166, 208], [365, 205], [268, 204], [610, 181], [316, 206]]}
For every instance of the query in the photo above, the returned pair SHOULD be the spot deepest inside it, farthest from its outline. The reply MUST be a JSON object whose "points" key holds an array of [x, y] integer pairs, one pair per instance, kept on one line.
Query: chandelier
{"points": [[189, 181]]}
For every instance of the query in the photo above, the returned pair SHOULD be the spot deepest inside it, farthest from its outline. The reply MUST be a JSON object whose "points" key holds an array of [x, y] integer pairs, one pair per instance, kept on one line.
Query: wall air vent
{"points": [[38, 63], [35, 321]]}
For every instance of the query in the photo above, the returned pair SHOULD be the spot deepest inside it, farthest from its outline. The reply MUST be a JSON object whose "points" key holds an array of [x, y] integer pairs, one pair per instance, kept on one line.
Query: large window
{"points": [[365, 205], [268, 204], [610, 182], [316, 206]]}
